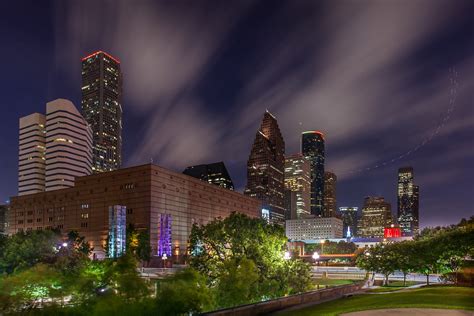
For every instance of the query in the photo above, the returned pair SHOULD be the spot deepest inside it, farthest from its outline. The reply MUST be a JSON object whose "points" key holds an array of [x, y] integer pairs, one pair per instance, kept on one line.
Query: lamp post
{"points": [[315, 256], [164, 257], [322, 246]]}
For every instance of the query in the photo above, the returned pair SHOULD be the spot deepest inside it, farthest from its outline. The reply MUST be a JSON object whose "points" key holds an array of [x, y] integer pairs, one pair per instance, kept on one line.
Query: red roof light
{"points": [[98, 52]]}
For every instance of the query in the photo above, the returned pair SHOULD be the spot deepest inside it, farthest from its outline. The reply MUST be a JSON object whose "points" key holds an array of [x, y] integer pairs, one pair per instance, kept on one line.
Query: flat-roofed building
{"points": [[297, 186], [164, 202], [311, 228], [31, 155]]}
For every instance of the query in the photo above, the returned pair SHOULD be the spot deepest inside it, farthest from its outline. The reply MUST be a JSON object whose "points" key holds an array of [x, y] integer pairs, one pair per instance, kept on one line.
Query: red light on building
{"points": [[392, 232]]}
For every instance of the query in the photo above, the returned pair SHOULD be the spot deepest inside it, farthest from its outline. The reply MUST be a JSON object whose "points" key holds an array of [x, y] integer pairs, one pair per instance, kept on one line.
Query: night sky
{"points": [[375, 76]]}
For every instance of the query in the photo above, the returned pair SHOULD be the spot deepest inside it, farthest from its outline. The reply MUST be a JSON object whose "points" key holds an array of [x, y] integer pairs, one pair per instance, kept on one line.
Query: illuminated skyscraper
{"points": [[102, 108], [330, 201], [349, 220], [54, 149], [266, 168], [214, 173], [298, 186], [31, 159], [312, 147], [376, 215], [408, 202]]}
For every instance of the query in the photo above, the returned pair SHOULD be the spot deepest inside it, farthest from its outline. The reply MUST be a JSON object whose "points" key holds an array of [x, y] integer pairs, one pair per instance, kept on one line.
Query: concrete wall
{"points": [[288, 301]]}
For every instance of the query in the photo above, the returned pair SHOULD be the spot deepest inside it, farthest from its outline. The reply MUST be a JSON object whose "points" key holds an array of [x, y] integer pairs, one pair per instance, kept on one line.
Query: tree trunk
{"points": [[428, 279], [386, 279], [404, 279]]}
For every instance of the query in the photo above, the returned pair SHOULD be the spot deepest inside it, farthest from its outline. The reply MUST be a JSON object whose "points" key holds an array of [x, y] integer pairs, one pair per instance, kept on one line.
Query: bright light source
{"points": [[164, 257], [287, 255], [64, 244], [315, 255]]}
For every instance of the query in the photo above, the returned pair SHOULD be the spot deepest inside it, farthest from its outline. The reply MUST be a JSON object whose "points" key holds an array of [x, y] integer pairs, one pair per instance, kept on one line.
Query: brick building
{"points": [[153, 196]]}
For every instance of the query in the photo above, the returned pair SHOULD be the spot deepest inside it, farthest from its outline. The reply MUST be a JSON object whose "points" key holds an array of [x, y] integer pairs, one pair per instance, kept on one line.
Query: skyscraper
{"points": [[407, 202], [214, 173], [312, 147], [330, 202], [376, 215], [349, 220], [102, 108], [297, 180], [266, 168], [54, 149], [68, 145], [31, 160]]}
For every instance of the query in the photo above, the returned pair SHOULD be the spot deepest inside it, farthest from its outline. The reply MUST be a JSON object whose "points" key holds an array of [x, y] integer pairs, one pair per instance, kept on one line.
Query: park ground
{"points": [[438, 297]]}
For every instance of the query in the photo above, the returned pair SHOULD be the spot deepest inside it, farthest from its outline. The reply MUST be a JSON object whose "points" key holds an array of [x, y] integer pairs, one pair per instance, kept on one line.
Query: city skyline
{"points": [[157, 119]]}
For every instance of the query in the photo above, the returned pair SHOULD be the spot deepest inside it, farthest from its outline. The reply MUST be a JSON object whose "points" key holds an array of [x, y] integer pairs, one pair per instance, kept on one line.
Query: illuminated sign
{"points": [[392, 232]]}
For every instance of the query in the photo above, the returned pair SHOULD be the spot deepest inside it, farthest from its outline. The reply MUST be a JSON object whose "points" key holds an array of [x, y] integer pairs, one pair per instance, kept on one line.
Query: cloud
{"points": [[346, 69]]}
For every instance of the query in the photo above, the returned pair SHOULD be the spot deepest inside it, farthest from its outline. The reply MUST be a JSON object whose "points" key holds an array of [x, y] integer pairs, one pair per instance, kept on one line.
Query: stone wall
{"points": [[289, 301]]}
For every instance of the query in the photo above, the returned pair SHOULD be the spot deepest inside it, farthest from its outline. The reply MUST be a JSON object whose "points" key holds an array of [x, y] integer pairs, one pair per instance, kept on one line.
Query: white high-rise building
{"points": [[64, 148], [31, 159], [313, 228]]}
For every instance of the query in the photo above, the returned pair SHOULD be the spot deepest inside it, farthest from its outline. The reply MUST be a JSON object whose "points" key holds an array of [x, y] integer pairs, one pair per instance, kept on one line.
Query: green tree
{"points": [[122, 276], [235, 238], [143, 251], [238, 283], [30, 287], [184, 293], [24, 250]]}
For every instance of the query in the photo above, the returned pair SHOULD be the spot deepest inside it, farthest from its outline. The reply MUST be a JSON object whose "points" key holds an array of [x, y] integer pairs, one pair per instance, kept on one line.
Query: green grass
{"points": [[332, 282], [429, 297]]}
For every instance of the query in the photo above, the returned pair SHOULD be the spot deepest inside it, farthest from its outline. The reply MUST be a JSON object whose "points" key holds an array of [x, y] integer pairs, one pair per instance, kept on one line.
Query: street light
{"points": [[164, 257], [315, 255], [64, 244], [322, 245], [287, 255]]}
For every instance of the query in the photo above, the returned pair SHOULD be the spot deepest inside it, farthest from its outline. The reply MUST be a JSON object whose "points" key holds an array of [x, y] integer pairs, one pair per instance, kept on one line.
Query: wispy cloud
{"points": [[346, 69]]}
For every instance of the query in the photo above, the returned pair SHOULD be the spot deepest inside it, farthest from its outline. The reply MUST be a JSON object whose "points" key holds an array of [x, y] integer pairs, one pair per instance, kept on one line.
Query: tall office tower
{"points": [[297, 180], [376, 215], [408, 202], [312, 147], [102, 108], [68, 145], [329, 207], [349, 220], [266, 168], [32, 147], [214, 173]]}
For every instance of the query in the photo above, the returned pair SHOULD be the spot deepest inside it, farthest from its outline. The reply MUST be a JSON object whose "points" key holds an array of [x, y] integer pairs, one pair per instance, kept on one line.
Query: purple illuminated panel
{"points": [[164, 240]]}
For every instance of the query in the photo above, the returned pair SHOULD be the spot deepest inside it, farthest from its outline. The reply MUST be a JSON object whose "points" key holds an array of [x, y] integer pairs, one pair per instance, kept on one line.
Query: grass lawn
{"points": [[332, 282], [430, 297]]}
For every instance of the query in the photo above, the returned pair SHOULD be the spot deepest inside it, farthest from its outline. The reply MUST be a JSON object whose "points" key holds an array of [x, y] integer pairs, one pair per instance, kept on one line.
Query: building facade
{"points": [[376, 215], [54, 149], [68, 145], [330, 202], [164, 202], [266, 169], [31, 155], [297, 180], [313, 228], [407, 202], [312, 147], [102, 108], [3, 219], [349, 219], [214, 173]]}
